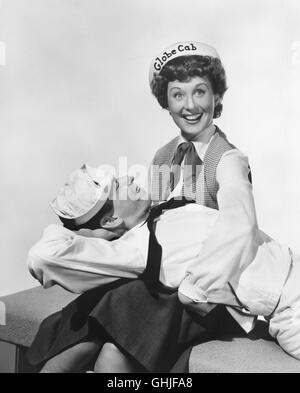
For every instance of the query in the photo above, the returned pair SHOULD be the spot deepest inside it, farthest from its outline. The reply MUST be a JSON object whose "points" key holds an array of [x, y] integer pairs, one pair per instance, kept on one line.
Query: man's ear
{"points": [[111, 222]]}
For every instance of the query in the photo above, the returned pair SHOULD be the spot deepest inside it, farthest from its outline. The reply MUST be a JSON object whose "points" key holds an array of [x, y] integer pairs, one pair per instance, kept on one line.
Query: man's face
{"points": [[130, 201], [192, 104]]}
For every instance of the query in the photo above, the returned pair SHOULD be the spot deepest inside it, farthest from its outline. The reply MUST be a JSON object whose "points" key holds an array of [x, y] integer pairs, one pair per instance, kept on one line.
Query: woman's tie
{"points": [[192, 166]]}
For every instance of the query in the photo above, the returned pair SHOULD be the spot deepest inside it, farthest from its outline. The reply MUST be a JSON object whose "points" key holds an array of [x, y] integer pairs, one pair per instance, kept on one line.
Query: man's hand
{"points": [[100, 233]]}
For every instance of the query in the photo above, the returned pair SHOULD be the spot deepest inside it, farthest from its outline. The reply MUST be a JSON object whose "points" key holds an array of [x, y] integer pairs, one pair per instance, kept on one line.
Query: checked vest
{"points": [[206, 185]]}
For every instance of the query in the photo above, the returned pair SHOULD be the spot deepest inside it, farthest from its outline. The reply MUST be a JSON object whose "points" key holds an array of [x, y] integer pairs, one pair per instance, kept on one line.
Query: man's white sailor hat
{"points": [[83, 195], [188, 48]]}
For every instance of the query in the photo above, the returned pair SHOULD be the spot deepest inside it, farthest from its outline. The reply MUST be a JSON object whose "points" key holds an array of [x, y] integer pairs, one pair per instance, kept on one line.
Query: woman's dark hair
{"points": [[93, 223], [183, 68]]}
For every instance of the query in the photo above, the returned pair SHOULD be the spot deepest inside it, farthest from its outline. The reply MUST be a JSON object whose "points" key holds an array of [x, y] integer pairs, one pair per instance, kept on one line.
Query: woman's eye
{"points": [[178, 96], [200, 92]]}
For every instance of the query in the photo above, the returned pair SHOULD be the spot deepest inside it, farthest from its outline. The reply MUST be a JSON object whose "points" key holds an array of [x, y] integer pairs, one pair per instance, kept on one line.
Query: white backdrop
{"points": [[75, 89]]}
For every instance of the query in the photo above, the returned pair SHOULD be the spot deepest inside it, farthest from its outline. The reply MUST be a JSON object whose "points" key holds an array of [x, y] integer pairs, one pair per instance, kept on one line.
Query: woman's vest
{"points": [[206, 184]]}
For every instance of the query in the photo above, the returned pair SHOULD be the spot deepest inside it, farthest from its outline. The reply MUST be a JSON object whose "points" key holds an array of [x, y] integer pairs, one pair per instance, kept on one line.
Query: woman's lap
{"points": [[154, 332]]}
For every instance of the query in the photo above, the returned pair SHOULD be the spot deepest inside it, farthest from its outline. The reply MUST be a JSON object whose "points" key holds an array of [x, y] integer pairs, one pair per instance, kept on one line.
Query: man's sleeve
{"points": [[232, 243], [79, 263]]}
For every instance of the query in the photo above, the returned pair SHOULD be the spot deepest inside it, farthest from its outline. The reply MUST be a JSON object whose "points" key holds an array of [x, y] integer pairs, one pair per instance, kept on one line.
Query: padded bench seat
{"points": [[242, 355], [26, 310]]}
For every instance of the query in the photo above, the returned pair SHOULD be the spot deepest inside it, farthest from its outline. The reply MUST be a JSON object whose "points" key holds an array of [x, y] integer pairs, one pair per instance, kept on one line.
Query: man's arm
{"points": [[80, 263]]}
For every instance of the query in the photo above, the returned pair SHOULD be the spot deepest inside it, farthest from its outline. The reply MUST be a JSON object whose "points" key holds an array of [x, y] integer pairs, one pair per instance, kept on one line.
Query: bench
{"points": [[24, 311]]}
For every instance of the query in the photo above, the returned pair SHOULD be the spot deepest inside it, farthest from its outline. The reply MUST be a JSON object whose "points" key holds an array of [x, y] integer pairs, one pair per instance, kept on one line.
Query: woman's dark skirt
{"points": [[157, 332]]}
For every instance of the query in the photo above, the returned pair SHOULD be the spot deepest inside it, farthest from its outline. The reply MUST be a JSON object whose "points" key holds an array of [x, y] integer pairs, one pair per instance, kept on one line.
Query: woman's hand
{"points": [[100, 233], [201, 309]]}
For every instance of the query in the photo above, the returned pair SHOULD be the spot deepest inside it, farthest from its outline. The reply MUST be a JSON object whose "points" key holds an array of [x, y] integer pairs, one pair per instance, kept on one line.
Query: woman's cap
{"points": [[83, 195], [188, 48]]}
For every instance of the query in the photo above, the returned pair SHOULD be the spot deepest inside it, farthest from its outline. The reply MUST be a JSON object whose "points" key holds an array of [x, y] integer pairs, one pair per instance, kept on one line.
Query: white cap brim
{"points": [[178, 49], [100, 187]]}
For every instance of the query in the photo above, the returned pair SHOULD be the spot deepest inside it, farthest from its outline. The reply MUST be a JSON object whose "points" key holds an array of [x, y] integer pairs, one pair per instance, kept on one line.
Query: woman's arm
{"points": [[232, 243]]}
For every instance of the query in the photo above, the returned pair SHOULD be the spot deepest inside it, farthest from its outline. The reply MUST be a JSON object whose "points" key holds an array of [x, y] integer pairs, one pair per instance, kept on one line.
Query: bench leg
{"points": [[22, 366]]}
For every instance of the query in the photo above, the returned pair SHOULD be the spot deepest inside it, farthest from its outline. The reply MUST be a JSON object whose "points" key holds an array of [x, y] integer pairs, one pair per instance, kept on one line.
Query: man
{"points": [[259, 280]]}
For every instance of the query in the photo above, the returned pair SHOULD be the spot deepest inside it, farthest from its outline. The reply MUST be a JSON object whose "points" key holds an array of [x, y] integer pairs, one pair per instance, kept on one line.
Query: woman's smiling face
{"points": [[192, 105]]}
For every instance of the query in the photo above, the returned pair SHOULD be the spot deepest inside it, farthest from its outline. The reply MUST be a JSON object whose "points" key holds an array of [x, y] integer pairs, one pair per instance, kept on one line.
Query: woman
{"points": [[188, 80], [121, 325]]}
